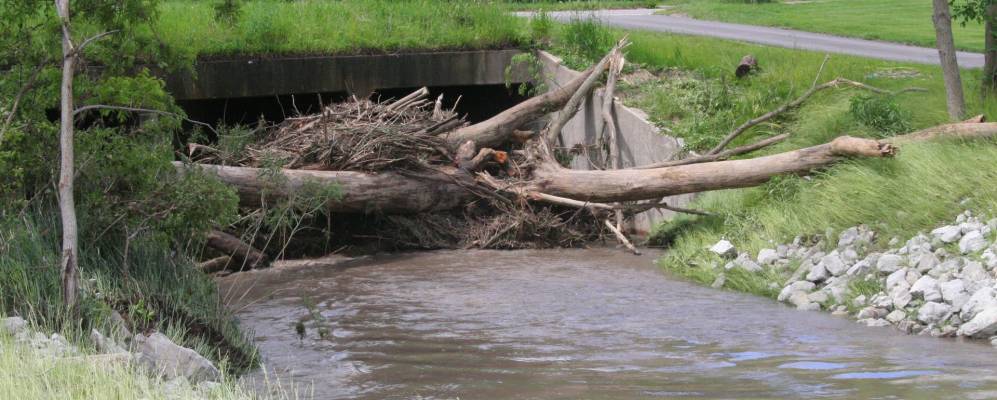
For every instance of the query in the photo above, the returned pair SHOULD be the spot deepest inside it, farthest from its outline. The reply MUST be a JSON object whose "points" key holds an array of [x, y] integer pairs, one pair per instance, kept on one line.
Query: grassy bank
{"points": [[891, 20], [150, 286], [80, 378], [329, 27], [690, 91]]}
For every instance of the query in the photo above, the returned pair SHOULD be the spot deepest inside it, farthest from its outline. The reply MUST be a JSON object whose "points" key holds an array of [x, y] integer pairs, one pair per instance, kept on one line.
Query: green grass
{"points": [[921, 187], [25, 375], [333, 27], [890, 20], [157, 290]]}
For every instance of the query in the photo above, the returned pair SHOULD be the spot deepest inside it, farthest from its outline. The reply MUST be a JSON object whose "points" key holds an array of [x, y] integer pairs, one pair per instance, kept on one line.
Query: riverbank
{"points": [[150, 368], [938, 283], [687, 87]]}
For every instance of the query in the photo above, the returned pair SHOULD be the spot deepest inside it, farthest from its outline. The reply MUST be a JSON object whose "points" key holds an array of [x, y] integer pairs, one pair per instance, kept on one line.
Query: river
{"points": [[572, 324]]}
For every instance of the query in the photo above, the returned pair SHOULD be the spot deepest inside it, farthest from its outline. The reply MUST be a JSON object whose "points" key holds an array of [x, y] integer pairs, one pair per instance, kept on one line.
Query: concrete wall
{"points": [[639, 141], [360, 75]]}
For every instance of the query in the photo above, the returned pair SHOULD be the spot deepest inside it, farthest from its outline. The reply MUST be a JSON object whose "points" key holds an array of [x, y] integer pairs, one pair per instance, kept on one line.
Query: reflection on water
{"points": [[567, 324]]}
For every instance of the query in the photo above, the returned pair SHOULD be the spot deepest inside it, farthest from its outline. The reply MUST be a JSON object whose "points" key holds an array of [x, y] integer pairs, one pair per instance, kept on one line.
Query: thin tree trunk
{"points": [[946, 52], [67, 205], [989, 80]]}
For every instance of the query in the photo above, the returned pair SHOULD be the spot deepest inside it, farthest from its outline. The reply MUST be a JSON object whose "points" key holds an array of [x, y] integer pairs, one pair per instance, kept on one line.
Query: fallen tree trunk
{"points": [[246, 256], [397, 193], [215, 264], [645, 184], [387, 192], [389, 159]]}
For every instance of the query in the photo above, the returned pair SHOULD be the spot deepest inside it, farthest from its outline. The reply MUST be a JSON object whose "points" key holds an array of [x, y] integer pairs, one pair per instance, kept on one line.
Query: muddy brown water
{"points": [[572, 324]]}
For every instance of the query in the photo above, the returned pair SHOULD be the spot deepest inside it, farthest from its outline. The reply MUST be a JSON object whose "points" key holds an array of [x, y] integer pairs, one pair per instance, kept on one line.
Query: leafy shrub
{"points": [[881, 113]]}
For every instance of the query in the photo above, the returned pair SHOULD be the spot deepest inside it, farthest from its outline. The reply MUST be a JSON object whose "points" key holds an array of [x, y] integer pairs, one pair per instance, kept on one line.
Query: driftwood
{"points": [[390, 192], [465, 170], [748, 64], [246, 256]]}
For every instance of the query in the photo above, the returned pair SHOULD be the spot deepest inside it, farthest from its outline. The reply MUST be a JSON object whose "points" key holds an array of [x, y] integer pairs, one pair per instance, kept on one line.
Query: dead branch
{"points": [[20, 95], [621, 237], [495, 131], [571, 107], [83, 109], [723, 155], [796, 103]]}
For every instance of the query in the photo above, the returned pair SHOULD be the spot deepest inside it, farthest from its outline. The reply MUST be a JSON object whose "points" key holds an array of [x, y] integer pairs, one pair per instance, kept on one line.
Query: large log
{"points": [[362, 192], [245, 255], [496, 131], [396, 193], [645, 184]]}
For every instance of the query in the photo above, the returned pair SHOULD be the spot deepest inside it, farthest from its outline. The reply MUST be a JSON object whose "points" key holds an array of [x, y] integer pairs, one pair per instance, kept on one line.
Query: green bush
{"points": [[881, 113]]}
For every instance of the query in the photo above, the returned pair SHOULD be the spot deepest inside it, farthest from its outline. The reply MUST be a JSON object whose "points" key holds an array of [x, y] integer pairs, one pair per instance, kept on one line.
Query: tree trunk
{"points": [[497, 130], [386, 192], [247, 256], [397, 193], [67, 205], [989, 79], [946, 52]]}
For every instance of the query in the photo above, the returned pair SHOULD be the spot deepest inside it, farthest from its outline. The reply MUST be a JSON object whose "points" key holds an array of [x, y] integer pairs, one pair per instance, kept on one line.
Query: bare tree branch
{"points": [[723, 155], [796, 103], [79, 49], [140, 110], [17, 99]]}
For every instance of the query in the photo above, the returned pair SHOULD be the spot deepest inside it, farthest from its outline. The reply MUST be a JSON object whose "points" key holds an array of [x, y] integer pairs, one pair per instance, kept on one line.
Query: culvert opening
{"points": [[475, 103]]}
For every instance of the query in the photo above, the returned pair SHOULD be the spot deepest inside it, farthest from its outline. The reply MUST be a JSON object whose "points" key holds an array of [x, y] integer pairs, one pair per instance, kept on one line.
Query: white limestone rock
{"points": [[927, 289], [889, 263], [947, 234], [724, 248], [798, 286], [933, 312], [767, 256], [972, 242]]}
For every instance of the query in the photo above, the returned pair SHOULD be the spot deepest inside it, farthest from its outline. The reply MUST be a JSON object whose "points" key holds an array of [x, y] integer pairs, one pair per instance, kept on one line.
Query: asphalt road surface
{"points": [[645, 19]]}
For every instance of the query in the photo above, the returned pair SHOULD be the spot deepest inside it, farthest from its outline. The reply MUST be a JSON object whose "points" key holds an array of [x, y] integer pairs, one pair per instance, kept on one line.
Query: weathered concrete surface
{"points": [[360, 75], [639, 141]]}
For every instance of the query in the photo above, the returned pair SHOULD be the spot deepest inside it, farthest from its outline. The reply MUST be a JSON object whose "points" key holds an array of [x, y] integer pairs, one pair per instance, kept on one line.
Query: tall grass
{"points": [[26, 376], [346, 26], [152, 287]]}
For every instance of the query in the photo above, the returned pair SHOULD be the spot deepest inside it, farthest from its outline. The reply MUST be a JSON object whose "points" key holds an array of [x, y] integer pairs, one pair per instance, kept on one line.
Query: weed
{"points": [[867, 287], [881, 113]]}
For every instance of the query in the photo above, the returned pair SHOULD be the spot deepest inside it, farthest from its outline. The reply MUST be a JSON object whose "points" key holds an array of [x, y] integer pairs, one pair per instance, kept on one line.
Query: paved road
{"points": [[646, 20]]}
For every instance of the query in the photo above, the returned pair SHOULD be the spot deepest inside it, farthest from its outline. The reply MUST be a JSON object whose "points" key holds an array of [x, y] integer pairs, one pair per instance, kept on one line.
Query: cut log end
{"points": [[849, 146], [746, 66]]}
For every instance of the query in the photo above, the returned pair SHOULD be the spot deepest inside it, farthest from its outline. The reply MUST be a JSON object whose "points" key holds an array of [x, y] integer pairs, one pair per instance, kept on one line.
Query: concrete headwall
{"points": [[639, 141], [362, 74]]}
